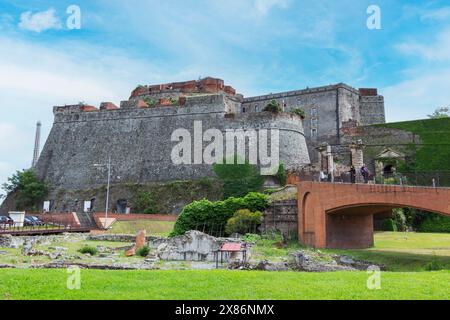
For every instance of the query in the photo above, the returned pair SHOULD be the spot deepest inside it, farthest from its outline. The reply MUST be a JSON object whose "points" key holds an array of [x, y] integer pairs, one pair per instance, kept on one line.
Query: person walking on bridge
{"points": [[352, 174], [365, 173]]}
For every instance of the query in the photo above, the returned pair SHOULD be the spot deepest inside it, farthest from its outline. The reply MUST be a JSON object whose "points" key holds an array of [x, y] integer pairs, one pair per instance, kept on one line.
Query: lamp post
{"points": [[108, 165]]}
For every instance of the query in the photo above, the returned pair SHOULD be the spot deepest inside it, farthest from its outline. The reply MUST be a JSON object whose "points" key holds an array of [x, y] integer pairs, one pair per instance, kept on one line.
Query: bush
{"points": [[273, 106], [435, 223], [251, 237], [434, 265], [400, 219], [389, 225], [150, 102], [88, 250], [243, 221], [143, 252], [212, 217], [239, 179], [300, 112], [281, 175], [145, 203]]}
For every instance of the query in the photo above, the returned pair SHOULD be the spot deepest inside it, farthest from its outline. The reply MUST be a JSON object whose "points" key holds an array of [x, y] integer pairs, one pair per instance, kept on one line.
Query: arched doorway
{"points": [[122, 206]]}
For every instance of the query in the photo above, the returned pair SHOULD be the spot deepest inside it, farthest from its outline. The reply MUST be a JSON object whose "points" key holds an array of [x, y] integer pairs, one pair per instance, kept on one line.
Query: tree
{"points": [[239, 179], [244, 221], [27, 187], [440, 113], [145, 203]]}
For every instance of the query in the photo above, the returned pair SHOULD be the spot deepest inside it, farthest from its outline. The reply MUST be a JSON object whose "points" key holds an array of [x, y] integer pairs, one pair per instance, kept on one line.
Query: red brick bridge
{"points": [[335, 215]]}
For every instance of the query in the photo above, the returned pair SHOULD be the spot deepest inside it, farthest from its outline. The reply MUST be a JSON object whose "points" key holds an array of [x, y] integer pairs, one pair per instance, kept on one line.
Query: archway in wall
{"points": [[353, 227], [308, 221]]}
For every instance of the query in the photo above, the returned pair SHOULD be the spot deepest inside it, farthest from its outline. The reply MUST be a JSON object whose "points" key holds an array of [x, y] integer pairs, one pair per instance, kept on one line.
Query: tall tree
{"points": [[440, 113], [27, 188]]}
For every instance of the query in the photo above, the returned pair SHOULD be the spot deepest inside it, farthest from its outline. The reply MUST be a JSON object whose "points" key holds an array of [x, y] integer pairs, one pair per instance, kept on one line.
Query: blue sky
{"points": [[258, 46]]}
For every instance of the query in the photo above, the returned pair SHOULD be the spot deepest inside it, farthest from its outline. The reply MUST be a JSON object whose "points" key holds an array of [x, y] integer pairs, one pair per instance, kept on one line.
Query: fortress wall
{"points": [[139, 142], [326, 108]]}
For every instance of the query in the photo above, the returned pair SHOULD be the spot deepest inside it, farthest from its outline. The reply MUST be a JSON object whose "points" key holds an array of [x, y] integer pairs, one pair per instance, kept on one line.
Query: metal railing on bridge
{"points": [[435, 179]]}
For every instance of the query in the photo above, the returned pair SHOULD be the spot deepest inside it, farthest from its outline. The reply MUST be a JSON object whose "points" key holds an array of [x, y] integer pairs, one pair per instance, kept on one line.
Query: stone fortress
{"points": [[137, 135]]}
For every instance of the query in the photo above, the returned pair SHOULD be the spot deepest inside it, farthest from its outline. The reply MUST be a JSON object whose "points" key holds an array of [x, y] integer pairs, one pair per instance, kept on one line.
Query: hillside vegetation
{"points": [[434, 154]]}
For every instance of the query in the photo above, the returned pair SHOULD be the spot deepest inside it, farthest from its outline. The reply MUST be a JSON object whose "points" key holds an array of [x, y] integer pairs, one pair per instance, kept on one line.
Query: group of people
{"points": [[365, 173]]}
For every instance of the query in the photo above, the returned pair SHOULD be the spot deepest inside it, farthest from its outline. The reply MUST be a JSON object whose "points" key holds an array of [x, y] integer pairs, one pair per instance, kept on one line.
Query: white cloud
{"points": [[437, 50], [40, 21], [440, 14], [264, 6], [35, 77], [418, 96]]}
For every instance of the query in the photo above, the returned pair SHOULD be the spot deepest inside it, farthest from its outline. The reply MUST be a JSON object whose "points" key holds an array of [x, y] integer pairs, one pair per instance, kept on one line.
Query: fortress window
{"points": [[243, 110], [314, 122], [256, 108], [314, 112], [313, 133]]}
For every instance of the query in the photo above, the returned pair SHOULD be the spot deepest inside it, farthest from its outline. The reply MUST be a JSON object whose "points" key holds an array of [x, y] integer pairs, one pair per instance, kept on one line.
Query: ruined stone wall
{"points": [[378, 138]]}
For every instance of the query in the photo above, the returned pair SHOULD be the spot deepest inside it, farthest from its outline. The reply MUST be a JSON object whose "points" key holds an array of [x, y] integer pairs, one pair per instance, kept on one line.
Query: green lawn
{"points": [[397, 251], [153, 228], [404, 254], [222, 285], [400, 251]]}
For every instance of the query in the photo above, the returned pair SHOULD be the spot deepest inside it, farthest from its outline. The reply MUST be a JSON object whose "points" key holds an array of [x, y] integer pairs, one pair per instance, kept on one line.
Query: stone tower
{"points": [[37, 144]]}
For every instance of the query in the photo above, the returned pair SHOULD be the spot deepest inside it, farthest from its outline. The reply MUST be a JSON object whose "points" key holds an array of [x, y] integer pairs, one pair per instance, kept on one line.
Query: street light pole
{"points": [[108, 165], [107, 192]]}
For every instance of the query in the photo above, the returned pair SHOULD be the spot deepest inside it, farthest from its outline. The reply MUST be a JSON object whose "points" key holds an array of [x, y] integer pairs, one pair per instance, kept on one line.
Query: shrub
{"points": [[212, 217], [143, 252], [243, 221], [299, 111], [281, 175], [434, 265], [389, 225], [400, 219], [145, 203], [435, 223], [273, 106], [252, 238], [173, 101], [150, 102], [88, 250]]}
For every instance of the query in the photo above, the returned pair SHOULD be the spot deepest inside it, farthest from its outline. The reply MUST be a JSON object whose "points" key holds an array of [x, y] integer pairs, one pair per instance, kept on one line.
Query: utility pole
{"points": [[108, 165]]}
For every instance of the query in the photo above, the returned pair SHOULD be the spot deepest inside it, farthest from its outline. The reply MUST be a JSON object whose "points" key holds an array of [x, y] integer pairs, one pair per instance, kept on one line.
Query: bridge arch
{"points": [[342, 214]]}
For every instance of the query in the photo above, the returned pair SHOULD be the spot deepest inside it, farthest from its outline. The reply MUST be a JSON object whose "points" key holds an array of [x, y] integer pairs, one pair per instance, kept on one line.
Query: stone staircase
{"points": [[87, 220]]}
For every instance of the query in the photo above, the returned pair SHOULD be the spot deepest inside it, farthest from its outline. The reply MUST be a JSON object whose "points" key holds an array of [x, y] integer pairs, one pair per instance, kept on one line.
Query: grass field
{"points": [[405, 255], [221, 285], [397, 251]]}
